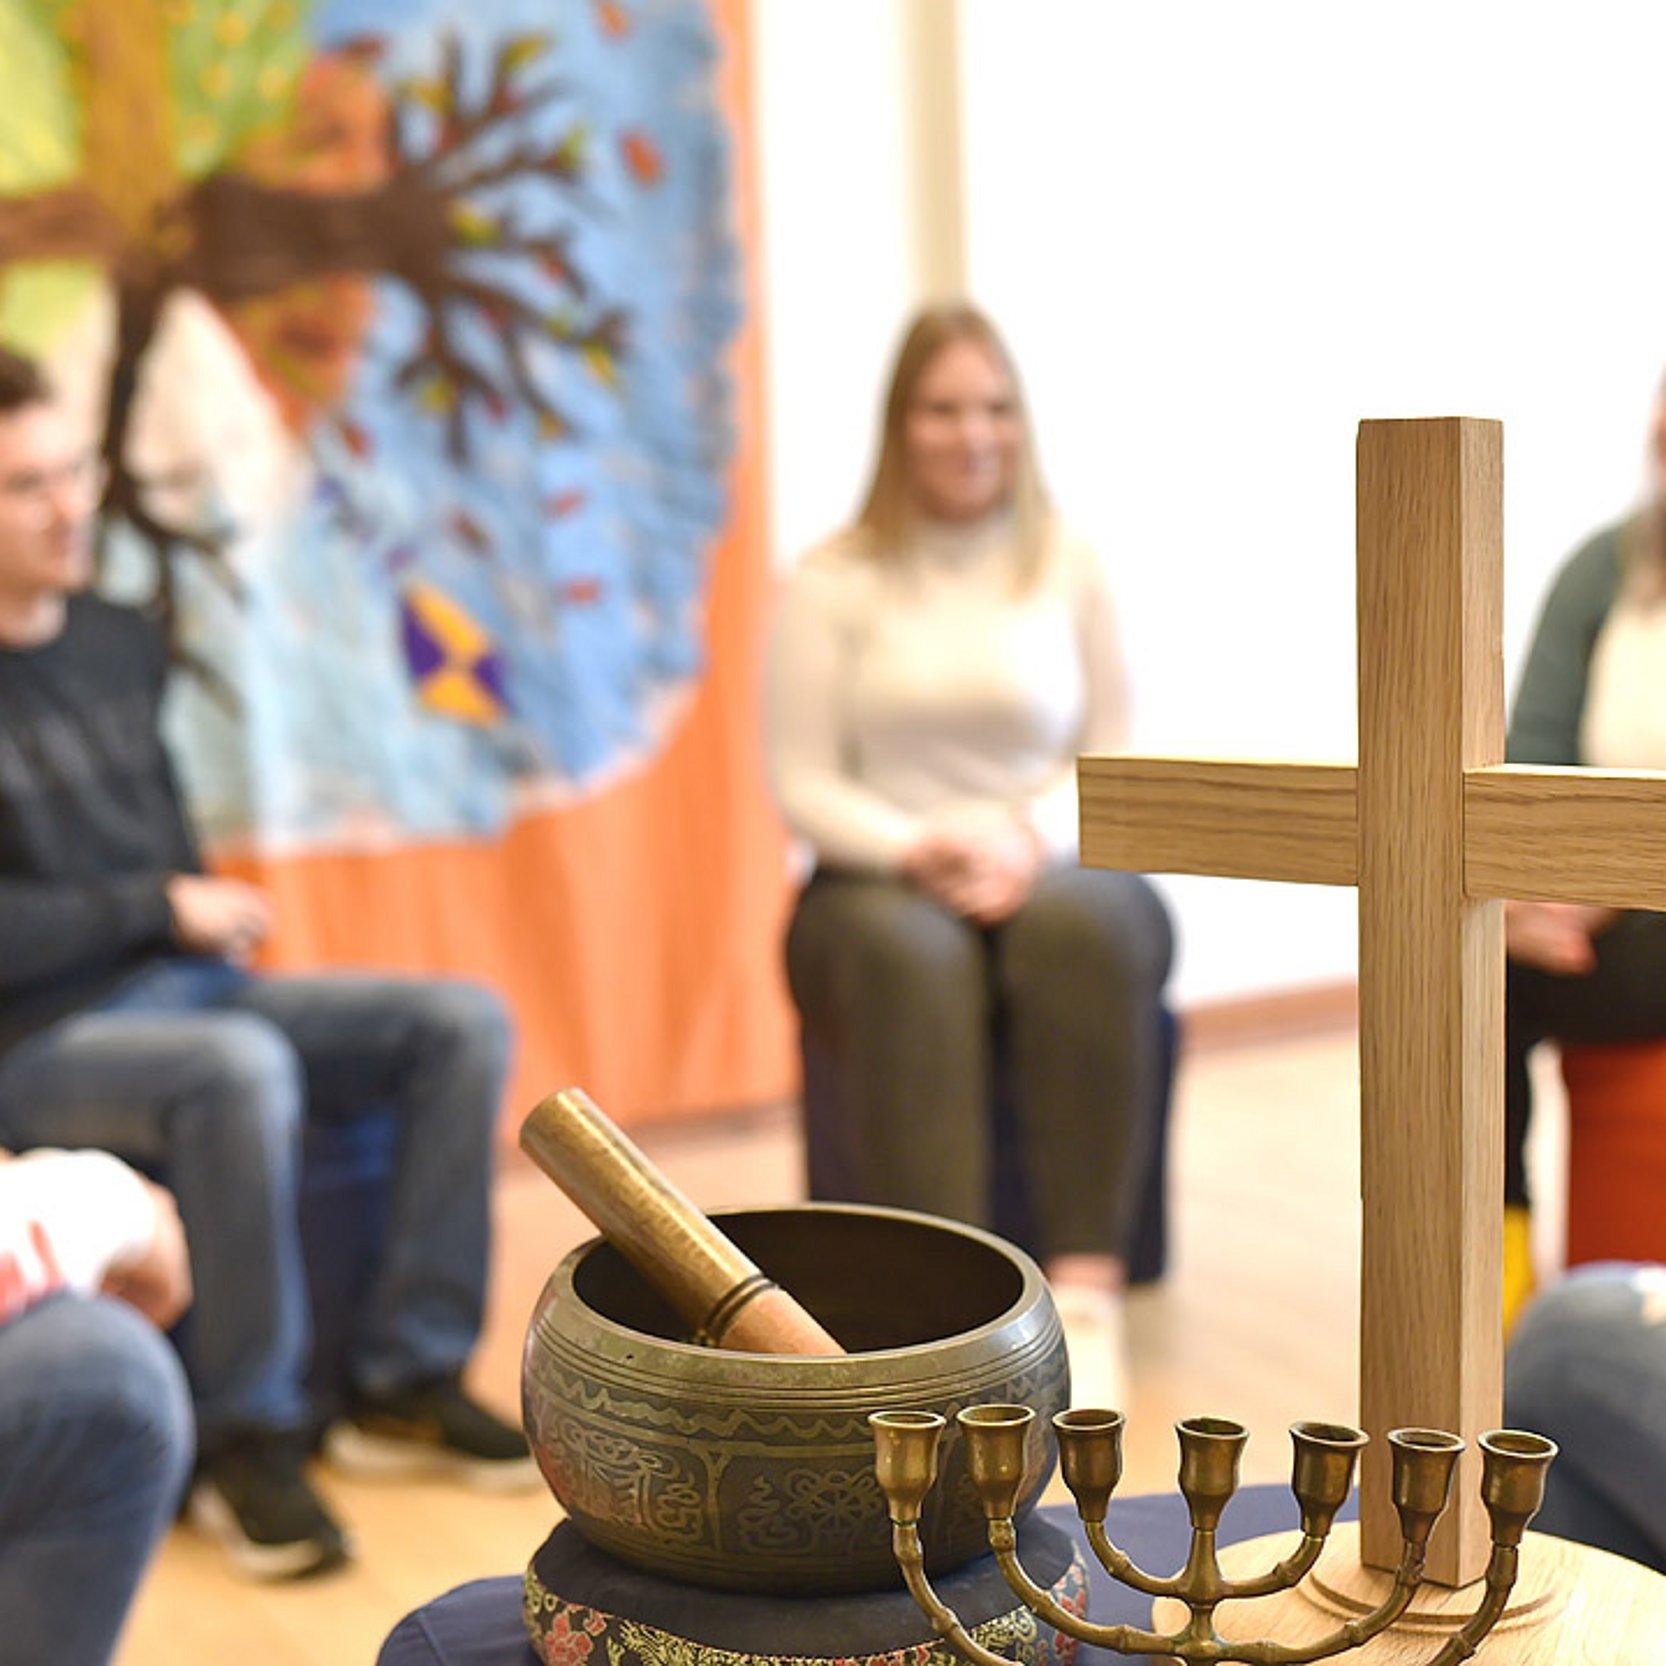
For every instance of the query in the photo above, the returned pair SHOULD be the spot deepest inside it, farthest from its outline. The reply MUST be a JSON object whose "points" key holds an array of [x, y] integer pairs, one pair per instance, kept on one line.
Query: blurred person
{"points": [[1587, 1367], [1592, 693], [935, 669], [95, 1417], [129, 1022]]}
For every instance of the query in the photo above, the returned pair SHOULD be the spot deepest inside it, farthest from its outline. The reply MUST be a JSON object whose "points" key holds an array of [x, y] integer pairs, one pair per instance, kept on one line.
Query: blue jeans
{"points": [[1587, 1366], [203, 1074], [95, 1445]]}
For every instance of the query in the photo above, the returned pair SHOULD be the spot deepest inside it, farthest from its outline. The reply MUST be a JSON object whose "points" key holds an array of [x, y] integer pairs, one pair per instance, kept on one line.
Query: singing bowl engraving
{"points": [[755, 1471]]}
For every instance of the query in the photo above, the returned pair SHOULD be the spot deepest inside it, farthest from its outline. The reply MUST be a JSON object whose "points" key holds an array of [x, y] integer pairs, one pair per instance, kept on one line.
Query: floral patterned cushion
{"points": [[583, 1608]]}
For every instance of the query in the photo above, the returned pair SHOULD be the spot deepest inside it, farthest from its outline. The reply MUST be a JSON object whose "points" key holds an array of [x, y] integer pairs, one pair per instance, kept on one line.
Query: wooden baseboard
{"points": [[1278, 1015]]}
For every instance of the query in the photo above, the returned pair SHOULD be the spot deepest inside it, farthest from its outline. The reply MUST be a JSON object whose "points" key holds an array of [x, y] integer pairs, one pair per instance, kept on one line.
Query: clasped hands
{"points": [[157, 1279], [218, 916], [153, 1277], [982, 871]]}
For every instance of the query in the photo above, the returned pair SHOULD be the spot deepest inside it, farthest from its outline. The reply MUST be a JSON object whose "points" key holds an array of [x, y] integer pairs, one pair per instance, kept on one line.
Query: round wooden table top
{"points": [[1572, 1606]]}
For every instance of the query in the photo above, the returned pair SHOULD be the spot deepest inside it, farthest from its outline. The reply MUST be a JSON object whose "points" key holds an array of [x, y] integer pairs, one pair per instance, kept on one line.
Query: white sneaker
{"points": [[1096, 1343]]}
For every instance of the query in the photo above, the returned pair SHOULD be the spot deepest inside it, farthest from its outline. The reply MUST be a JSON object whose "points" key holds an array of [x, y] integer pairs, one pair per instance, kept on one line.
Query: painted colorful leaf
{"points": [[603, 366], [40, 125], [523, 51], [643, 159], [40, 142], [479, 231], [232, 69], [615, 21], [429, 92], [571, 152]]}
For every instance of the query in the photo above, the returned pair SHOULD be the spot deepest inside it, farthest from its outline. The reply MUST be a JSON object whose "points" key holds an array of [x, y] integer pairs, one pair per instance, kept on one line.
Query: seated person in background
{"points": [[935, 670], [1587, 1366], [1593, 692], [127, 1022], [95, 1418]]}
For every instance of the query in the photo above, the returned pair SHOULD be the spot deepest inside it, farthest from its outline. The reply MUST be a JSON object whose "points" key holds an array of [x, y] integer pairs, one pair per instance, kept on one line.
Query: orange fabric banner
{"points": [[636, 931]]}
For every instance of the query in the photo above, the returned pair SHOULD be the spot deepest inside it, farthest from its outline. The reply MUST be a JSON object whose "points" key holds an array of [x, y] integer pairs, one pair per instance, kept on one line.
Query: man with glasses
{"points": [[128, 1022]]}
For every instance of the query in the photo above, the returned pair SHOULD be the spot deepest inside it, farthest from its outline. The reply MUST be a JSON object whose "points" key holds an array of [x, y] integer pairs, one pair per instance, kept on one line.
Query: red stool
{"points": [[1616, 1151]]}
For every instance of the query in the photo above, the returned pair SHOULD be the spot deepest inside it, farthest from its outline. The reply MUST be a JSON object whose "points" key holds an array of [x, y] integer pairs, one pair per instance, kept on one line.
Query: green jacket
{"points": [[1550, 700]]}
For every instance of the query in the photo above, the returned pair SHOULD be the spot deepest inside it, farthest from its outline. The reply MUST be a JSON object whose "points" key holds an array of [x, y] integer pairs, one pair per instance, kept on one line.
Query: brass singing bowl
{"points": [[755, 1472]]}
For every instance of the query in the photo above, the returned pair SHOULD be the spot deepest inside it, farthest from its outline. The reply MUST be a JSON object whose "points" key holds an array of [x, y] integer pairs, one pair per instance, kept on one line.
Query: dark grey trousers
{"points": [[908, 997]]}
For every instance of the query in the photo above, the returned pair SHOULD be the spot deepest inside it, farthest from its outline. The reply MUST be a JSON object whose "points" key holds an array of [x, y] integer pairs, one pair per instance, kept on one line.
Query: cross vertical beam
{"points": [[1431, 706]]}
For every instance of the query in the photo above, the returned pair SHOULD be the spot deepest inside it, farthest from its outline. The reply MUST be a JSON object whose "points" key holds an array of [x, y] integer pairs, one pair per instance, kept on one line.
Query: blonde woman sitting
{"points": [[935, 670]]}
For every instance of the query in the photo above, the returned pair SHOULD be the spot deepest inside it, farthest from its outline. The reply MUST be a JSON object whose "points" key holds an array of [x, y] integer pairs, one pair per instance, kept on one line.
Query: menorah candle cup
{"points": [[1322, 1470], [996, 1437], [1423, 1462], [1210, 1448], [905, 1458], [1513, 1467], [1090, 1457]]}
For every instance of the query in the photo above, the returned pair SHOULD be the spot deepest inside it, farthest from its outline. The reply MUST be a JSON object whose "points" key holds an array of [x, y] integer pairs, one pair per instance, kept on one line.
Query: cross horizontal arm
{"points": [[1566, 835], [1235, 820]]}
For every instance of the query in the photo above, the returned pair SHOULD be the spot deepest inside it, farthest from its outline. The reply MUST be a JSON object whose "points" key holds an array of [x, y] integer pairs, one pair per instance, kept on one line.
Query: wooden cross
{"points": [[1433, 827]]}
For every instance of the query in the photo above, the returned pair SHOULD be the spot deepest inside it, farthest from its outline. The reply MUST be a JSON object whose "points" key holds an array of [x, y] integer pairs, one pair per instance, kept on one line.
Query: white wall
{"points": [[1219, 234], [839, 268]]}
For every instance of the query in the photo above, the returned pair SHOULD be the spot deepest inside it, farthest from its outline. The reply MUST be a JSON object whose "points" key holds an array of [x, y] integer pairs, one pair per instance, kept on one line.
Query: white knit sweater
{"points": [[1623, 725], [65, 1218], [921, 692]]}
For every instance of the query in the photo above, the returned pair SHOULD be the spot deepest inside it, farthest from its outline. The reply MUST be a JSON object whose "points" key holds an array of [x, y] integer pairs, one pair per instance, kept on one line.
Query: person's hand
{"points": [[1554, 936], [935, 861], [157, 1280], [218, 916], [983, 873]]}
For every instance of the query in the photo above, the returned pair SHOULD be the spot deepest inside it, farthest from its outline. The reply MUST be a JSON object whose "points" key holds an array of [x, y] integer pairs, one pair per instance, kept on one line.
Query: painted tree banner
{"points": [[413, 333]]}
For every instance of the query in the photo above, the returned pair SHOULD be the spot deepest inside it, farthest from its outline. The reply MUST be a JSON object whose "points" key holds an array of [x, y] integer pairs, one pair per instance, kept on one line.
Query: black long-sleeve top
{"points": [[91, 824]]}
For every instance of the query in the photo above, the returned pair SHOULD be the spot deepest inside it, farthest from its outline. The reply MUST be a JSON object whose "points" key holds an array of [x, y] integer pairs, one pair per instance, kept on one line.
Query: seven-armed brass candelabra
{"points": [[1090, 1454]]}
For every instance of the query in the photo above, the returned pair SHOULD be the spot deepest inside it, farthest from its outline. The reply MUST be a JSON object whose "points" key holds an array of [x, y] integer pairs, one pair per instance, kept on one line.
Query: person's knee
{"points": [[109, 1411], [247, 1077], [146, 1404], [464, 1021], [1110, 928], [905, 949], [1588, 1303], [1564, 1336]]}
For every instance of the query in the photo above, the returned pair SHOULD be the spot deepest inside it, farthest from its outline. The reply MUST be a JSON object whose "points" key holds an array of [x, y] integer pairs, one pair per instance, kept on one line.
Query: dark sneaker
{"points": [[434, 1429], [253, 1496]]}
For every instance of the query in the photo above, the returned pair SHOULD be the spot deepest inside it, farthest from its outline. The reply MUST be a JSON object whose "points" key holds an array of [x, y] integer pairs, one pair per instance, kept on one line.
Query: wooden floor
{"points": [[1256, 1321]]}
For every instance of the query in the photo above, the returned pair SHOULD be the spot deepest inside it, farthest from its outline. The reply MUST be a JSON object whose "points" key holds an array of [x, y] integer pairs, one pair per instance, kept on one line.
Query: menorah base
{"points": [[1571, 1605]]}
